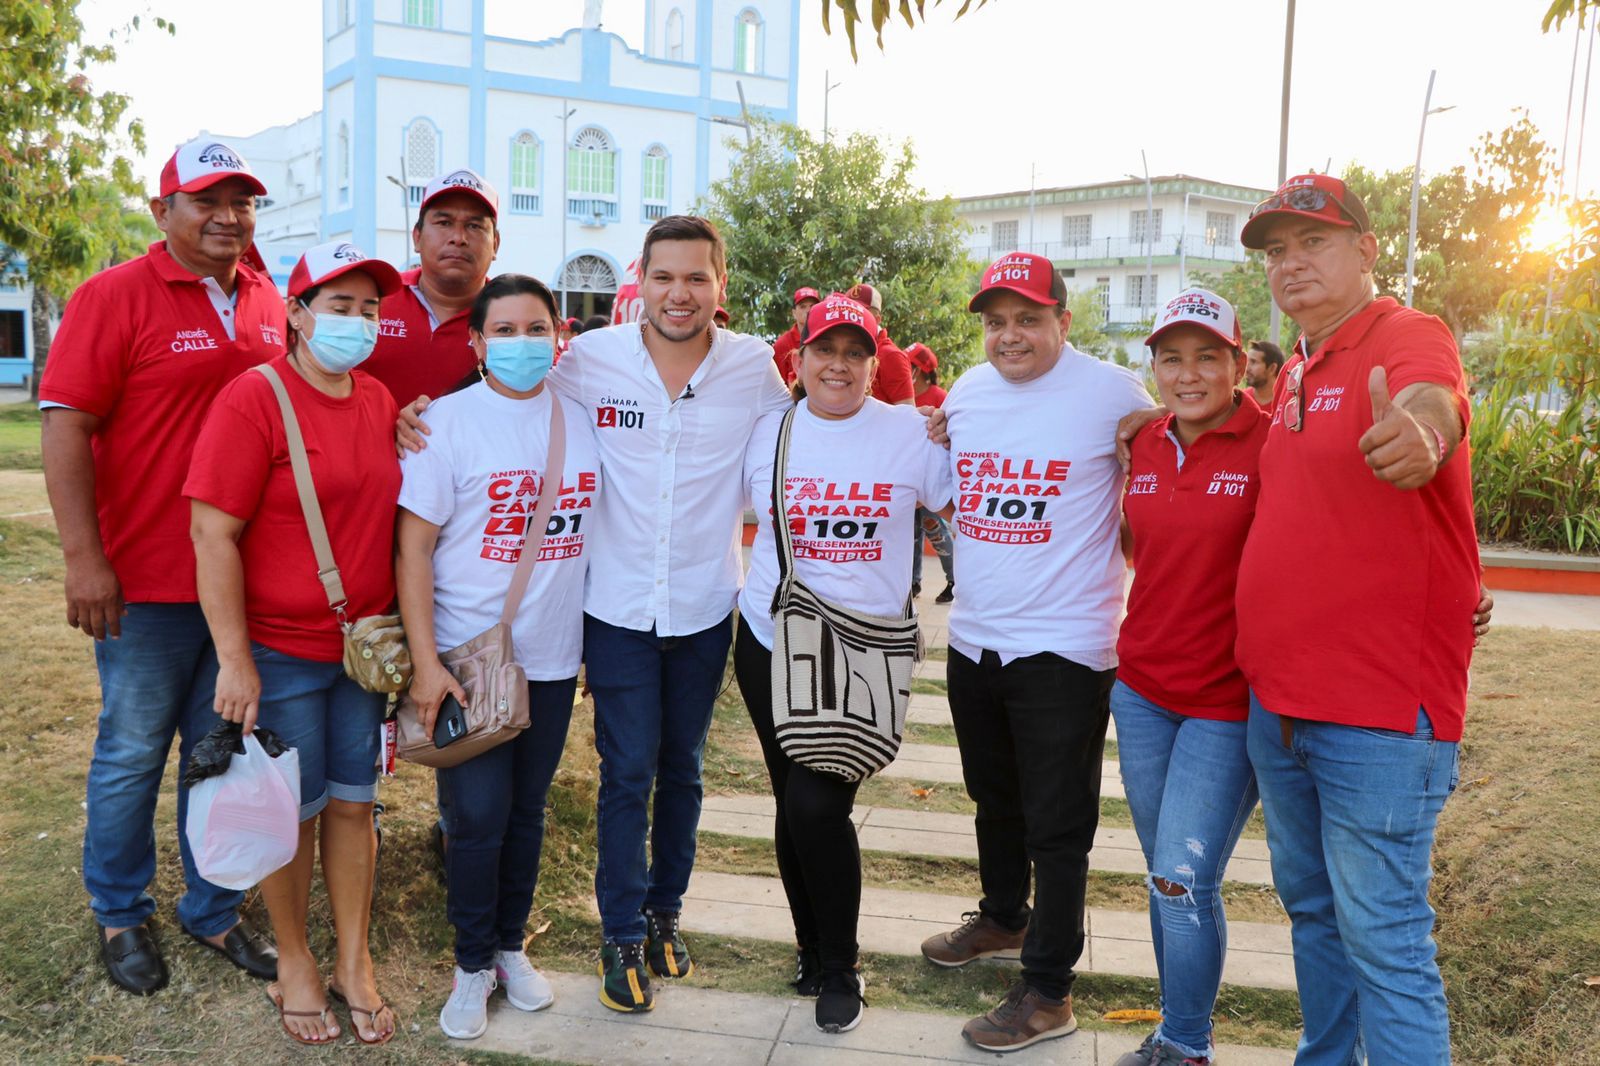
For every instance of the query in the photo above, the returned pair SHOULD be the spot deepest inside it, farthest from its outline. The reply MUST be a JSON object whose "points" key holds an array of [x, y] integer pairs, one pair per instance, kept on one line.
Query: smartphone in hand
{"points": [[451, 724]]}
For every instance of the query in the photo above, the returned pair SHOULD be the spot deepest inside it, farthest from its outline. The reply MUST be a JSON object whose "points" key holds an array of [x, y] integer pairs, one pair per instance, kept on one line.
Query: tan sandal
{"points": [[372, 1018], [275, 997]]}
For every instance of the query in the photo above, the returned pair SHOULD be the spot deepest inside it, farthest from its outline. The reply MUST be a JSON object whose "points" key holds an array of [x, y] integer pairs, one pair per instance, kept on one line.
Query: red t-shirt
{"points": [[241, 466], [1355, 599], [142, 347], [783, 350], [412, 358], [1189, 525], [932, 396], [892, 382]]}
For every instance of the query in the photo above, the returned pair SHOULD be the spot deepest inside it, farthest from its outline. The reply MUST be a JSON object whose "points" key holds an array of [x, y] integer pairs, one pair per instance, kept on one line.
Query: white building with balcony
{"points": [[1136, 247], [586, 140]]}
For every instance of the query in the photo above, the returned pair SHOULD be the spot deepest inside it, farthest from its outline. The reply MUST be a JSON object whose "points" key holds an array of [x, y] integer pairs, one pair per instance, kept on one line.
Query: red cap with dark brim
{"points": [[1319, 197]]}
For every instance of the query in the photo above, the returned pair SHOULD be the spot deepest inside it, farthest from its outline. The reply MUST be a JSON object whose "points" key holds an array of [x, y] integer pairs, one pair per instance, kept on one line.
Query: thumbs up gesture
{"points": [[1399, 448]]}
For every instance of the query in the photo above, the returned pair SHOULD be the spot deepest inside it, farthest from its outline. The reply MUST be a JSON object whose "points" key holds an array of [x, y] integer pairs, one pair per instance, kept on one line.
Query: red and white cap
{"points": [[325, 262], [463, 180], [806, 293], [1033, 277], [1320, 197], [922, 357], [866, 296], [840, 310], [1203, 308], [205, 161]]}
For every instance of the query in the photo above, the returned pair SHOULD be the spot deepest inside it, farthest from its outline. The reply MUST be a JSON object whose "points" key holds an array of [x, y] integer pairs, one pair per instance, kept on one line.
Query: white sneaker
{"points": [[466, 1013], [526, 988]]}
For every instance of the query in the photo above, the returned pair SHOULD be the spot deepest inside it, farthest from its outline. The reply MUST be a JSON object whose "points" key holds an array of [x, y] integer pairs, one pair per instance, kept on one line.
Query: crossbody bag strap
{"points": [[327, 569], [780, 520], [549, 490]]}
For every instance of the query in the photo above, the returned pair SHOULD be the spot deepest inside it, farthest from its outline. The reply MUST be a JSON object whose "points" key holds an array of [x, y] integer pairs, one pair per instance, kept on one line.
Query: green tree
{"points": [[63, 177], [1471, 226], [880, 13], [1244, 285], [797, 211]]}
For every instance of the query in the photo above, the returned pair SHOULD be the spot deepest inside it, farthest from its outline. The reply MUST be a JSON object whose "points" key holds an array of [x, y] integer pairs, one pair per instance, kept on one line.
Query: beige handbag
{"points": [[496, 707], [375, 652]]}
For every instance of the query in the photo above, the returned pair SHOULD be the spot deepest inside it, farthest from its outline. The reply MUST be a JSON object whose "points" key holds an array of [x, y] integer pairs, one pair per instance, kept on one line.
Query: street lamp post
{"points": [[566, 113], [1283, 135], [828, 86], [1416, 189]]}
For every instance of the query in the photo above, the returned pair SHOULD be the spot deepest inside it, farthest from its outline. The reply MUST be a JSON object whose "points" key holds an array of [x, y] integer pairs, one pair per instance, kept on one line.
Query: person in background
{"points": [[840, 437], [925, 380], [892, 384], [783, 349], [1180, 702], [1265, 362], [279, 644], [142, 350], [423, 350], [569, 328], [464, 503], [721, 317], [594, 322]]}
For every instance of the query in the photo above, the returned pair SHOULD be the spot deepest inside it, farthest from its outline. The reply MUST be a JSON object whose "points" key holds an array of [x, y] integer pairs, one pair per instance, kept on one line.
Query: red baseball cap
{"points": [[1033, 277], [806, 293], [865, 295], [1203, 308], [1314, 196], [922, 357], [325, 262], [463, 180], [840, 310], [721, 315], [202, 162], [573, 323]]}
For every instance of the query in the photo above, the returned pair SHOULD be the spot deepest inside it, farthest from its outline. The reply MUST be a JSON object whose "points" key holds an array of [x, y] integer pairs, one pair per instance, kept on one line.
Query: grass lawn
{"points": [[1518, 929], [19, 436]]}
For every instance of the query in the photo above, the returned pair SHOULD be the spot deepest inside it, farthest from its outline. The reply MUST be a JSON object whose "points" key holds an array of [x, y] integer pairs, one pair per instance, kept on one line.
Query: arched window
{"points": [[343, 163], [422, 157], [675, 34], [588, 273], [592, 177], [653, 183], [747, 42], [525, 172]]}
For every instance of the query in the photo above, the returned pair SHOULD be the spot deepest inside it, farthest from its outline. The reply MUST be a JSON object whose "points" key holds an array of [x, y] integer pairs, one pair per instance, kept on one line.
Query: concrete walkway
{"points": [[1545, 609], [942, 763], [708, 1027]]}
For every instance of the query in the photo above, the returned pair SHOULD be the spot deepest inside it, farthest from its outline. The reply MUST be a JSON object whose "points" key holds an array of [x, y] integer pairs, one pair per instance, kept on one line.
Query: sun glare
{"points": [[1548, 231]]}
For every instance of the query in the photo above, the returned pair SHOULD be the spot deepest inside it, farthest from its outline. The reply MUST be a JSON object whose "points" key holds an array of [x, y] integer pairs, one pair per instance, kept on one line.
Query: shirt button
{"points": [[663, 495], [661, 581], [225, 314]]}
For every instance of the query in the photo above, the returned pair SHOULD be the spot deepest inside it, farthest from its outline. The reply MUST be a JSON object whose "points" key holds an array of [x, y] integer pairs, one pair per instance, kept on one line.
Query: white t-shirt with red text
{"points": [[479, 479], [851, 487], [1038, 489]]}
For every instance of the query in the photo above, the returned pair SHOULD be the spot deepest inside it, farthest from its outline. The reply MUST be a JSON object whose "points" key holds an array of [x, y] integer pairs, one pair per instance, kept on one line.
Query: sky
{"points": [[1069, 91]]}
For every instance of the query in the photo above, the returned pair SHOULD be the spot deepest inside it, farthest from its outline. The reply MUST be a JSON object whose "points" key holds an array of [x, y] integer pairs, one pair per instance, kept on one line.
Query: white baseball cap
{"points": [[327, 261], [205, 161], [463, 180], [1203, 308]]}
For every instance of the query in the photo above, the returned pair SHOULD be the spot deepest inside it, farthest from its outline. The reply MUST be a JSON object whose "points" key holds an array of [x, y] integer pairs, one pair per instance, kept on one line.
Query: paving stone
{"points": [[893, 1038], [930, 709], [931, 670], [942, 762]]}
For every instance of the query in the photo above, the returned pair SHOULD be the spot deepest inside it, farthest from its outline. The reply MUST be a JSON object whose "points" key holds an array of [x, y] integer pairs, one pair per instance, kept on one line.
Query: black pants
{"points": [[1032, 734], [818, 857]]}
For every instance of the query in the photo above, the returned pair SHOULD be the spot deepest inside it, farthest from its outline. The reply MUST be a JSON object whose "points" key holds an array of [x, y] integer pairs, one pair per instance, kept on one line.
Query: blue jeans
{"points": [[496, 801], [1350, 818], [1190, 789], [652, 708], [333, 722], [939, 537], [156, 680]]}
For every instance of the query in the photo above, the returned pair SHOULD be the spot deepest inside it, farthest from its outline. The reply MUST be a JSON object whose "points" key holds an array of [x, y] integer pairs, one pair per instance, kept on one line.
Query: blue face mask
{"points": [[519, 362], [341, 343]]}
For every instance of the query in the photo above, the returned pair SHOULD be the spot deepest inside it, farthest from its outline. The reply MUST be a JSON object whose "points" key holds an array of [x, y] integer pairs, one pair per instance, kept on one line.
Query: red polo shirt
{"points": [[1355, 598], [241, 466], [141, 346], [1189, 524], [783, 350], [932, 396], [892, 383], [413, 357]]}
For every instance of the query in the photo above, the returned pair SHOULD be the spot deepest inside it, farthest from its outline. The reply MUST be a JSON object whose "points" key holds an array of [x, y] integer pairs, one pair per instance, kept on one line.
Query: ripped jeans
{"points": [[1190, 789]]}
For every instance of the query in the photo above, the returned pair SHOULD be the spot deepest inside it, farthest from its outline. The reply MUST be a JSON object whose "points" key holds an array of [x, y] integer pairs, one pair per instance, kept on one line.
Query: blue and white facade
{"points": [[16, 328], [586, 140]]}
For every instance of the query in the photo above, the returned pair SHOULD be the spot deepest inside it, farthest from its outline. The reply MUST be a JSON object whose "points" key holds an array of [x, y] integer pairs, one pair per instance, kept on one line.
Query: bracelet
{"points": [[1438, 439]]}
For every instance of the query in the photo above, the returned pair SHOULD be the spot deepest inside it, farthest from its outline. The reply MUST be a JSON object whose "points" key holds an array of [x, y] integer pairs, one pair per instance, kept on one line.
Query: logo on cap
{"points": [[1191, 305], [463, 179], [348, 253], [220, 156]]}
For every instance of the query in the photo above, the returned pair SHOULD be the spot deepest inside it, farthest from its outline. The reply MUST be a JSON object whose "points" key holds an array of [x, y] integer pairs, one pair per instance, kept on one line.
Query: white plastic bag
{"points": [[245, 824]]}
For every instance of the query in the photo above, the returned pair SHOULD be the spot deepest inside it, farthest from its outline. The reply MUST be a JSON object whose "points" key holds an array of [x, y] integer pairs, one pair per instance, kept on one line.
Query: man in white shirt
{"points": [[1033, 634], [673, 401]]}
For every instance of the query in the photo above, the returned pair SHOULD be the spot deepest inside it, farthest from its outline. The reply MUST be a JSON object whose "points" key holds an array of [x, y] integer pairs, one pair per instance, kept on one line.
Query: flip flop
{"points": [[372, 1018], [276, 999]]}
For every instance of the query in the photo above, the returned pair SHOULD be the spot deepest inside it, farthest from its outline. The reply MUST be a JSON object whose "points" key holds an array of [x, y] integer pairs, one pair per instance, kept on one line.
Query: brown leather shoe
{"points": [[978, 937], [1023, 1018]]}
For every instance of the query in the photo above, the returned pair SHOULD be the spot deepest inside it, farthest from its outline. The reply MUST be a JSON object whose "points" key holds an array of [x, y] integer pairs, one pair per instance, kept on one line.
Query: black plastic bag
{"points": [[216, 749]]}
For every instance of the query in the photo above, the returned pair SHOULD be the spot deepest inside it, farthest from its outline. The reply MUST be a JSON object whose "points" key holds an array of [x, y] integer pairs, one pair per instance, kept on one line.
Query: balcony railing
{"points": [[1130, 249], [525, 203], [593, 211]]}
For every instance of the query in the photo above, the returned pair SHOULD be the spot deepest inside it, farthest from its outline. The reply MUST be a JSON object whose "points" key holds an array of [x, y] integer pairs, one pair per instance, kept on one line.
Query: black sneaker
{"points": [[948, 594], [842, 1001], [916, 589], [807, 972], [668, 955], [624, 981]]}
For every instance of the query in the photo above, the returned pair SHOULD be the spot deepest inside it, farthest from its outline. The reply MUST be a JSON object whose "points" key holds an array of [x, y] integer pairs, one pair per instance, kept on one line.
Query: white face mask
{"points": [[340, 343]]}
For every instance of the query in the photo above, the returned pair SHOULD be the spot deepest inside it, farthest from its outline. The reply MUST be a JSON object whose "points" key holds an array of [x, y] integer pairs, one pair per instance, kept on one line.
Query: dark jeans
{"points": [[497, 802], [652, 707], [818, 858], [1032, 734]]}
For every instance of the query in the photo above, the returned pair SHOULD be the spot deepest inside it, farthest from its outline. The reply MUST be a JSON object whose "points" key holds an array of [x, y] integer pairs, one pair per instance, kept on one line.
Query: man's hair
{"points": [[595, 322], [1271, 354], [510, 285], [686, 228]]}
